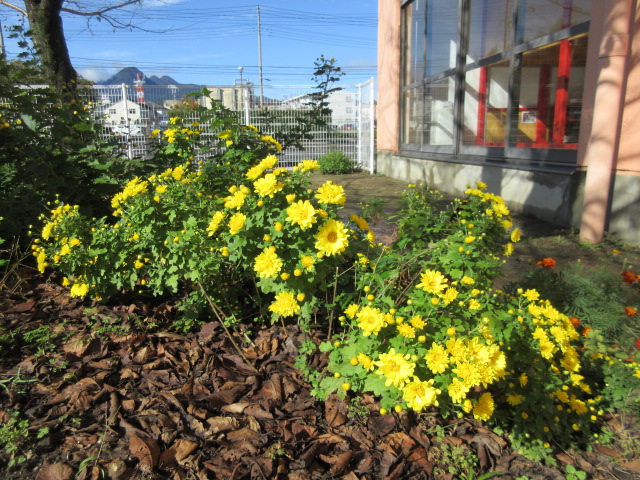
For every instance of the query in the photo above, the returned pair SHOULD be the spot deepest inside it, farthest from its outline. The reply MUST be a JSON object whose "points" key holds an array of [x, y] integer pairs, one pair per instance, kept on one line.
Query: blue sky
{"points": [[205, 41]]}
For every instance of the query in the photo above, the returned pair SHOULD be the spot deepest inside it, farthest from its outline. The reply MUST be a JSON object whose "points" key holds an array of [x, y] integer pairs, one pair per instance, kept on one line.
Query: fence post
{"points": [[372, 131], [245, 104], [359, 114], [126, 120]]}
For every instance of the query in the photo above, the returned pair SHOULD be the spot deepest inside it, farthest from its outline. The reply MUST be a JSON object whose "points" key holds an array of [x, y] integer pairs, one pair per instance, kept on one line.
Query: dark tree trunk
{"points": [[48, 36]]}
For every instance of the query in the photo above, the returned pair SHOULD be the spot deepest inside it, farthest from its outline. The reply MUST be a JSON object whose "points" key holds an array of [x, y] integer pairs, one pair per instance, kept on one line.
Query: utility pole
{"points": [[2, 55], [259, 56]]}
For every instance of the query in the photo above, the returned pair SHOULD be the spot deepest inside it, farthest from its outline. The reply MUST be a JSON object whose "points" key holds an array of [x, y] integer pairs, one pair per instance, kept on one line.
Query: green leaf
{"points": [[29, 121]]}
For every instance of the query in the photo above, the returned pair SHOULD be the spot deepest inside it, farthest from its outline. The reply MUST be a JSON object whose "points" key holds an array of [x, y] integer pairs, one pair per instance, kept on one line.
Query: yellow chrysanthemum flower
{"points": [[450, 295], [514, 399], [133, 188], [432, 282], [467, 280], [500, 209], [301, 213], [370, 320], [79, 290], [469, 372], [360, 222], [396, 368], [236, 222], [352, 310], [366, 361], [420, 395], [331, 193], [457, 390], [332, 238], [268, 185], [308, 165], [473, 304], [508, 249], [307, 262], [215, 223], [515, 235], [285, 304], [484, 408], [524, 379], [417, 322], [456, 349], [236, 200], [437, 358], [406, 330], [267, 264]]}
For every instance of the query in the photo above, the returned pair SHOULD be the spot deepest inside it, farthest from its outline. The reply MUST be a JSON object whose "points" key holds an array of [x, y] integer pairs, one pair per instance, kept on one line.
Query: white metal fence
{"points": [[130, 113]]}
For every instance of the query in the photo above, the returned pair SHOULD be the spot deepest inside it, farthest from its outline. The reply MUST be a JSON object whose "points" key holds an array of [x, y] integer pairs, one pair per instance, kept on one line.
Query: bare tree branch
{"points": [[97, 13], [15, 7]]}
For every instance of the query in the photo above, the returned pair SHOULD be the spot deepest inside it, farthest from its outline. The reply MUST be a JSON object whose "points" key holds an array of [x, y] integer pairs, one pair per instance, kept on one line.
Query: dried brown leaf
{"points": [[609, 452], [257, 412], [242, 435], [381, 425], [420, 460], [235, 408], [335, 411], [341, 463], [305, 432], [632, 466], [225, 397], [222, 424], [55, 471], [146, 450], [180, 450], [398, 443]]}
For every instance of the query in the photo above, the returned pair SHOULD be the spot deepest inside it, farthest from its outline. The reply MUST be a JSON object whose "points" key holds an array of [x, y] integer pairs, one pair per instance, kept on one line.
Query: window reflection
{"points": [[442, 36], [414, 42], [485, 105], [438, 112], [550, 96], [413, 118], [537, 18], [489, 28]]}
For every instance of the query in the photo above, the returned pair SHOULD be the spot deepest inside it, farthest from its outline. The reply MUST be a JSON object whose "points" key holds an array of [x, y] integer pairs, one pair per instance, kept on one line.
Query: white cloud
{"points": [[161, 3], [95, 74]]}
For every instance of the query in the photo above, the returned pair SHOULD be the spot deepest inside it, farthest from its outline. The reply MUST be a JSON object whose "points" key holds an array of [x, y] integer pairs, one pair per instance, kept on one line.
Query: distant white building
{"points": [[127, 116], [343, 105]]}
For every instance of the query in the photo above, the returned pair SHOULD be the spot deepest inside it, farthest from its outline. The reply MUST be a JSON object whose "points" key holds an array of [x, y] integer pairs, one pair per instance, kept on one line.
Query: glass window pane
{"points": [[485, 105], [537, 18], [438, 112], [414, 42], [413, 118], [489, 28], [550, 96], [442, 35]]}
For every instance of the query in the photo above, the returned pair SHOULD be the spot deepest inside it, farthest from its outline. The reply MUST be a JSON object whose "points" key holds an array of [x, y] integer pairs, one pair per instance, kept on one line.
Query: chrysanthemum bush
{"points": [[237, 233], [602, 305], [428, 330], [421, 325]]}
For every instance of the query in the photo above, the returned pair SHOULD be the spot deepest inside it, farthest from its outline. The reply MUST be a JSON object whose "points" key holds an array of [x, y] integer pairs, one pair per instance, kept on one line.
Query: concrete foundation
{"points": [[556, 198]]}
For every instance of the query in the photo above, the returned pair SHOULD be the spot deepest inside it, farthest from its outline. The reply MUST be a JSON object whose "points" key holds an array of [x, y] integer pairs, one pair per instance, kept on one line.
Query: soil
{"points": [[123, 398]]}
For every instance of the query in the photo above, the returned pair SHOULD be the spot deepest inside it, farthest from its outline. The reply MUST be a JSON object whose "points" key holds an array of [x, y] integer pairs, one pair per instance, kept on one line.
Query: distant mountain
{"points": [[129, 74]]}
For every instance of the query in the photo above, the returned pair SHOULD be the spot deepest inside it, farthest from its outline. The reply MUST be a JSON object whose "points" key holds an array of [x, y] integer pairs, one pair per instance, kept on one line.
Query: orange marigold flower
{"points": [[547, 263], [628, 277], [638, 343], [585, 331], [630, 311], [575, 321]]}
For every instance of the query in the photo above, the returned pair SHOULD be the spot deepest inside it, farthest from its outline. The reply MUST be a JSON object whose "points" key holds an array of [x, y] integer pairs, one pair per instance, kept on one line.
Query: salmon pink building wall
{"points": [[600, 193]]}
